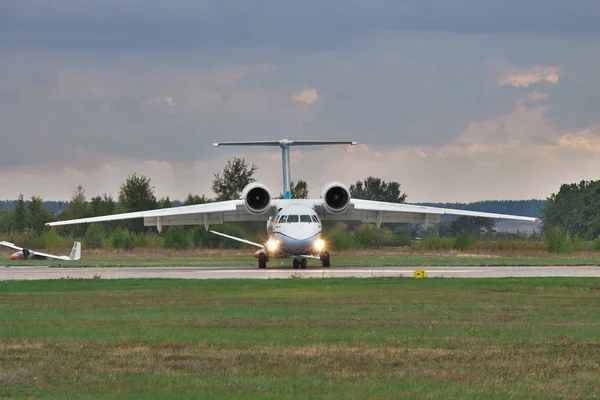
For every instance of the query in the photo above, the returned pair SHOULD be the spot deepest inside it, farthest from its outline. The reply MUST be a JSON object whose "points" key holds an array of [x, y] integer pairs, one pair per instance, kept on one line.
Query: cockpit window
{"points": [[305, 218], [292, 218], [315, 219], [282, 219]]}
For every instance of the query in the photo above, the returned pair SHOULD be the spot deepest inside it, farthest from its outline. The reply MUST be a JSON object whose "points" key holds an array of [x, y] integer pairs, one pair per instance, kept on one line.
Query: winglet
{"points": [[76, 252]]}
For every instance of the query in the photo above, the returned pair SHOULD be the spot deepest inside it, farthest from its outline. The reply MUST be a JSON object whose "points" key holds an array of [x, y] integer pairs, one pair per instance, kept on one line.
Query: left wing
{"points": [[378, 212]]}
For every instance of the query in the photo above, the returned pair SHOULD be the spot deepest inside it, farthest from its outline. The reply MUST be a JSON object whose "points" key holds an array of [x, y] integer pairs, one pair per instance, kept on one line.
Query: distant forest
{"points": [[527, 208]]}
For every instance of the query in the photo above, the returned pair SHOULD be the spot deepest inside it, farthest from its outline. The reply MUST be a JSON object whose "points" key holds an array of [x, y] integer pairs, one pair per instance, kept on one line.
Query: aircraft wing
{"points": [[10, 245], [198, 214], [368, 211], [37, 253]]}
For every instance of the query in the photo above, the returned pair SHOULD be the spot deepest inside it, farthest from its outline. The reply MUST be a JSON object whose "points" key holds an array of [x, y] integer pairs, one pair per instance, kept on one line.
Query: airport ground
{"points": [[301, 338], [149, 257]]}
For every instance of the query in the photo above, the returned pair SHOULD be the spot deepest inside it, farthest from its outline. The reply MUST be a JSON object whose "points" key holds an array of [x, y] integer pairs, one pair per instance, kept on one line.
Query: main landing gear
{"points": [[262, 260], [300, 263], [325, 259]]}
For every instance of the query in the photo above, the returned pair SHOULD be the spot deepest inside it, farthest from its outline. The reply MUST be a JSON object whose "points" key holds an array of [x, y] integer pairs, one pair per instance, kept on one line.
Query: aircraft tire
{"points": [[262, 261], [296, 263], [303, 263], [326, 259]]}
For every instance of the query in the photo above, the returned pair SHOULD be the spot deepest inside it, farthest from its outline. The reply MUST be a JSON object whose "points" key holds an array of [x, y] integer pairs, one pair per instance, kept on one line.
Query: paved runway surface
{"points": [[35, 273]]}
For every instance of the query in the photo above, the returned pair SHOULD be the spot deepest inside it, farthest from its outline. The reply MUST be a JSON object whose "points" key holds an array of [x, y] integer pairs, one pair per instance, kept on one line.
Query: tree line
{"points": [[136, 193]]}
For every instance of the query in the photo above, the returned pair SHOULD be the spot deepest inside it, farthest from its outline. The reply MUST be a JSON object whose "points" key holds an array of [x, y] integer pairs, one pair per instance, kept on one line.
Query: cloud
{"points": [[528, 77], [533, 97], [435, 92], [307, 96]]}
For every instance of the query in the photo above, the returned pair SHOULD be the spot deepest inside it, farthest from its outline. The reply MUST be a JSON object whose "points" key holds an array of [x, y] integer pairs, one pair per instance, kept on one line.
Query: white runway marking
{"points": [[37, 273]]}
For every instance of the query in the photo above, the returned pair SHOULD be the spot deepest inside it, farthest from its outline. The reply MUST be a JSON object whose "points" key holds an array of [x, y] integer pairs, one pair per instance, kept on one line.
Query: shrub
{"points": [[339, 238], [464, 241], [94, 236], [177, 238], [434, 242], [596, 245], [554, 238], [51, 240], [567, 245], [121, 239]]}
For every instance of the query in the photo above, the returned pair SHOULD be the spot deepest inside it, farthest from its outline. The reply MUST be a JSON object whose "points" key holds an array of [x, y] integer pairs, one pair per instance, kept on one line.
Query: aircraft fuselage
{"points": [[295, 232]]}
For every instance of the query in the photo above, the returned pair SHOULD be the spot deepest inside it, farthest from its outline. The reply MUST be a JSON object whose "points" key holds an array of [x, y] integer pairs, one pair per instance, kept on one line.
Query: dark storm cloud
{"points": [[306, 25]]}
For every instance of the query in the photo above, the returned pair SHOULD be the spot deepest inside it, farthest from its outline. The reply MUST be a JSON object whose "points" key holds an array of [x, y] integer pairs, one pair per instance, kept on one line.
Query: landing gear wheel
{"points": [[296, 263], [303, 263], [325, 259], [262, 261]]}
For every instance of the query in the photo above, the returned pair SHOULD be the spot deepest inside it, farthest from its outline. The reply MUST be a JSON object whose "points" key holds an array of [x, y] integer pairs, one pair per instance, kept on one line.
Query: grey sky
{"points": [[458, 100]]}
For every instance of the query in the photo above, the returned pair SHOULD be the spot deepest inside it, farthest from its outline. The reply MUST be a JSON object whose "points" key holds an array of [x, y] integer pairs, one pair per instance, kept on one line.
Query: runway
{"points": [[37, 273]]}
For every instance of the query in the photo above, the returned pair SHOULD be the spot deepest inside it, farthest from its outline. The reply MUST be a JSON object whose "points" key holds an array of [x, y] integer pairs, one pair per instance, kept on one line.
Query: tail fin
{"points": [[76, 252], [285, 154]]}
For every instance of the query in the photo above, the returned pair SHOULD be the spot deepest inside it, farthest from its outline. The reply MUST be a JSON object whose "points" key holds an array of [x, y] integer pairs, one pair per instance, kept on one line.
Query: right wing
{"points": [[198, 214]]}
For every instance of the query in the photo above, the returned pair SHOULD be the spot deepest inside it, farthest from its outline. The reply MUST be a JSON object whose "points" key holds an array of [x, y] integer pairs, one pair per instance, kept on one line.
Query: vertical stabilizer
{"points": [[285, 145], [76, 252]]}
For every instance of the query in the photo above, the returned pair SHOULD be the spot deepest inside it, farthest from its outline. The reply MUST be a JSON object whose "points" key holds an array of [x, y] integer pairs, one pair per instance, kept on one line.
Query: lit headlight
{"points": [[319, 245], [272, 245]]}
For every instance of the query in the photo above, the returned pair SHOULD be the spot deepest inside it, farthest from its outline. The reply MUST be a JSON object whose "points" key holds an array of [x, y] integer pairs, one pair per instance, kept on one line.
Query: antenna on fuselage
{"points": [[285, 145]]}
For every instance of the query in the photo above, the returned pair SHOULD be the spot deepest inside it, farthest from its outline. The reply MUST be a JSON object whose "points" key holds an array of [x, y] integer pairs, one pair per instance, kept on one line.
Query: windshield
{"points": [[305, 218]]}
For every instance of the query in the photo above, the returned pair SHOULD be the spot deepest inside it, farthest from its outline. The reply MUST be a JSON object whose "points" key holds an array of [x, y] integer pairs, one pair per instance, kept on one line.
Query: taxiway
{"points": [[37, 273]]}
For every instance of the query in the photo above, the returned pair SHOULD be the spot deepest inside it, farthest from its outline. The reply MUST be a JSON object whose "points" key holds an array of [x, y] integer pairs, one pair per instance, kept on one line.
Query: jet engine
{"points": [[336, 197], [257, 198]]}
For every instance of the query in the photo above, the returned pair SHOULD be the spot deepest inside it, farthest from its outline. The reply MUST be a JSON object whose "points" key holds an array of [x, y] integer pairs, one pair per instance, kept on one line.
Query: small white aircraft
{"points": [[25, 254], [294, 225]]}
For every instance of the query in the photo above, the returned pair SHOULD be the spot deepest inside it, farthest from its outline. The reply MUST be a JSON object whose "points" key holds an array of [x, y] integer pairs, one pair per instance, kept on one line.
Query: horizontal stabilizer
{"points": [[284, 142]]}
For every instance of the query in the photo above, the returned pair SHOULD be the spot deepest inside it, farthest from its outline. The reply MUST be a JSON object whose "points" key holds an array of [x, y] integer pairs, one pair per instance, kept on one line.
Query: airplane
{"points": [[26, 254], [294, 226]]}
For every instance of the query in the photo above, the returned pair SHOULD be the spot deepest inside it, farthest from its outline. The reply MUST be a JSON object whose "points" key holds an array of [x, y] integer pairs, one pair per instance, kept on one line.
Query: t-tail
{"points": [[285, 145], [76, 252]]}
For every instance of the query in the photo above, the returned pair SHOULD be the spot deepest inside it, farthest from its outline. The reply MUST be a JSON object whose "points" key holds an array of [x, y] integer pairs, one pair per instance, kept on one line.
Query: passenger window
{"points": [[292, 218], [305, 218]]}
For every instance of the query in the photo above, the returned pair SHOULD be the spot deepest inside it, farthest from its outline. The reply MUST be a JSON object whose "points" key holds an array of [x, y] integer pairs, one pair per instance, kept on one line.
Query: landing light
{"points": [[272, 245], [319, 245]]}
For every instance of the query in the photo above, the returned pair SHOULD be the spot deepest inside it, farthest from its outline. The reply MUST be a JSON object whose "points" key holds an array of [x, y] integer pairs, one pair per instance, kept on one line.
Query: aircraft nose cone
{"points": [[14, 257]]}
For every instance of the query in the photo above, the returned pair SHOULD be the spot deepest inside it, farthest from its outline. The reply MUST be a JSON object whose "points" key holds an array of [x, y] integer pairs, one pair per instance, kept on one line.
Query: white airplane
{"points": [[294, 226], [25, 254]]}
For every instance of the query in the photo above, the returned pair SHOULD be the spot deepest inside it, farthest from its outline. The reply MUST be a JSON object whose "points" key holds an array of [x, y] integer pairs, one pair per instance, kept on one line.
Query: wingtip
{"points": [[215, 144], [47, 224], [537, 219]]}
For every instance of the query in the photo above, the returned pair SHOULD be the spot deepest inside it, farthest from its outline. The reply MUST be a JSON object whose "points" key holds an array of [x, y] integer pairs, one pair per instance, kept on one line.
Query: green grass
{"points": [[385, 257], [301, 338]]}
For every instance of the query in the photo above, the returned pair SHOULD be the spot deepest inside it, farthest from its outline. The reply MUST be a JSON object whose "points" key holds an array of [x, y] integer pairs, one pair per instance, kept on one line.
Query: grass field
{"points": [[300, 338], [380, 257]]}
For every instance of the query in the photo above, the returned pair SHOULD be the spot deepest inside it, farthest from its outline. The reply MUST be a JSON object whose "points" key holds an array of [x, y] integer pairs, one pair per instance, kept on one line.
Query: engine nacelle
{"points": [[336, 197], [257, 198]]}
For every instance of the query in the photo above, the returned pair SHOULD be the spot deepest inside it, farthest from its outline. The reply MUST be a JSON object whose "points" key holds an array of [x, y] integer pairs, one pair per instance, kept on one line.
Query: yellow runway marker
{"points": [[420, 274]]}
